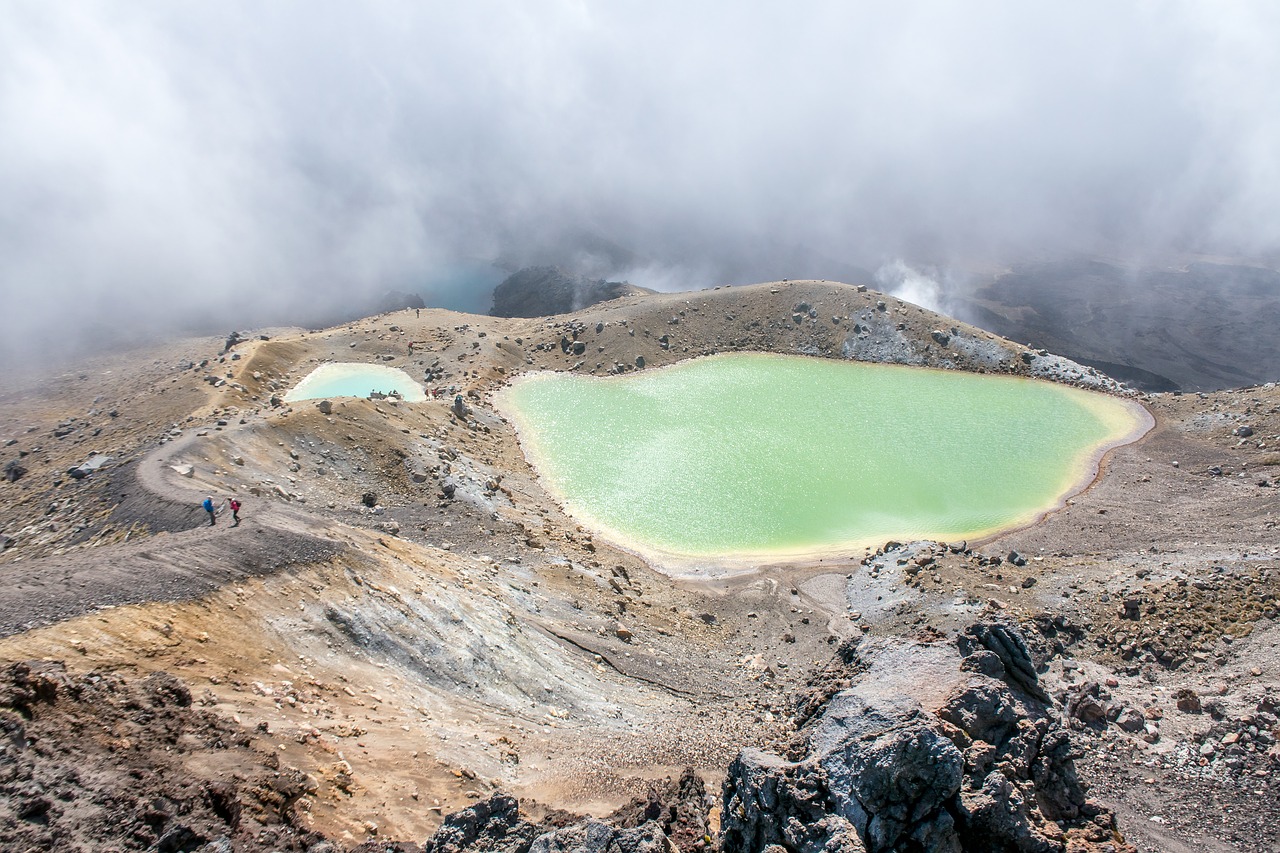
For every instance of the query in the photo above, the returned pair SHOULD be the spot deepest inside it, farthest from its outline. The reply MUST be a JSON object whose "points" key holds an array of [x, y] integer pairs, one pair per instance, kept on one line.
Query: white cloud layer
{"points": [[177, 160]]}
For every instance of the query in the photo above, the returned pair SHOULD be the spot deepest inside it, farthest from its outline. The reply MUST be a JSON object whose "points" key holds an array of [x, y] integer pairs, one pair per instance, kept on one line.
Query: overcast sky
{"points": [[172, 160]]}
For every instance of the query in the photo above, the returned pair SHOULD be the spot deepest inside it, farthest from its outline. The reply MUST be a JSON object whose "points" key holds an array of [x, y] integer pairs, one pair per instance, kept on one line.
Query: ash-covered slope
{"points": [[453, 635], [1203, 327]]}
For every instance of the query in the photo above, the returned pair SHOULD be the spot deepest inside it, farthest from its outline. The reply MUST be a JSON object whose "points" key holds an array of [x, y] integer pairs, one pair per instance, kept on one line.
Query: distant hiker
{"points": [[235, 510], [417, 312], [211, 509]]}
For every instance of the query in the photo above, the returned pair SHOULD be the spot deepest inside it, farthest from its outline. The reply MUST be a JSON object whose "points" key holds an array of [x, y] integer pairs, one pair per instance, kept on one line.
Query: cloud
{"points": [[167, 162], [898, 278]]}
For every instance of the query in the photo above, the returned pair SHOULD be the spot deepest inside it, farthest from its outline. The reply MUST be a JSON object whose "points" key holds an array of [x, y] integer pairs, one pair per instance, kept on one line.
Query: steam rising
{"points": [[901, 280], [168, 161]]}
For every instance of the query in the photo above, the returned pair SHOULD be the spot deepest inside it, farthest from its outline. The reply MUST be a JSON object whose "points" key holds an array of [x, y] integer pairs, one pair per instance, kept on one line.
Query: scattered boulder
{"points": [[369, 499], [325, 407], [1188, 701], [13, 472], [1083, 702], [1131, 720], [89, 466]]}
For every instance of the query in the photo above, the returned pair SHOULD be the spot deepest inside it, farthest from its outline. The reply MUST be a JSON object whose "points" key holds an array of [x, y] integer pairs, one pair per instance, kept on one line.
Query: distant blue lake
{"points": [[465, 285]]}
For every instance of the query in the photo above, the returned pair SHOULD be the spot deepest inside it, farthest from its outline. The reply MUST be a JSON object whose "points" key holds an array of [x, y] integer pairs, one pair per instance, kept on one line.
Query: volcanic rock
{"points": [[991, 769], [1188, 701], [396, 300], [1083, 703], [493, 824], [1131, 720], [543, 291]]}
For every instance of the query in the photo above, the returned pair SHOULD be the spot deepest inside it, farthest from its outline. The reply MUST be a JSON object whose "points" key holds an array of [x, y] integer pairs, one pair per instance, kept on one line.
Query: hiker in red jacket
{"points": [[235, 510]]}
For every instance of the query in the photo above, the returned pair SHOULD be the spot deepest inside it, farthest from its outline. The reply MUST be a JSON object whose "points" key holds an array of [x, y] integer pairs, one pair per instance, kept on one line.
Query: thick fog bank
{"points": [[180, 164]]}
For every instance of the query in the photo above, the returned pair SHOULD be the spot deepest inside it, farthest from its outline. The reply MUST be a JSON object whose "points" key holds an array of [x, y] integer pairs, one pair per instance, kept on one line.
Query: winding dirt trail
{"points": [[167, 566]]}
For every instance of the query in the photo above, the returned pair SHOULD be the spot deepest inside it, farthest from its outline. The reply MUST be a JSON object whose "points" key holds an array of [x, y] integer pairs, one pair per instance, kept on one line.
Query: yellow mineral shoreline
{"points": [[1126, 423]]}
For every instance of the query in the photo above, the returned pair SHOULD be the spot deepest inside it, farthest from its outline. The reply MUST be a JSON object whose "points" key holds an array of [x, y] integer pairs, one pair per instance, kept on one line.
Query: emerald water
{"points": [[752, 454], [350, 379]]}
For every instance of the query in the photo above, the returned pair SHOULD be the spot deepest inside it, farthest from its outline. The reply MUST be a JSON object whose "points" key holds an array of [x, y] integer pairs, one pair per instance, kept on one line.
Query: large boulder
{"points": [[770, 803], [879, 777], [493, 824], [594, 836], [679, 807], [989, 767], [673, 817], [1008, 644]]}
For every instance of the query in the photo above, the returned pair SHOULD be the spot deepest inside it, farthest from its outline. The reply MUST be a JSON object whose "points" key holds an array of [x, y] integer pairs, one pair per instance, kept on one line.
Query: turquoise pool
{"points": [[350, 379]]}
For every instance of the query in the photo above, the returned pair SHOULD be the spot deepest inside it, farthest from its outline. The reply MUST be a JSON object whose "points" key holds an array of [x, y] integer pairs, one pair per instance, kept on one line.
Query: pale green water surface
{"points": [[353, 379], [752, 454]]}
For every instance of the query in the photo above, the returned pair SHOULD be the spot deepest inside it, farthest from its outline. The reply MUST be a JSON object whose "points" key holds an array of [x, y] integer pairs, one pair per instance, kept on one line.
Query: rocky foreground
{"points": [[101, 760], [407, 643]]}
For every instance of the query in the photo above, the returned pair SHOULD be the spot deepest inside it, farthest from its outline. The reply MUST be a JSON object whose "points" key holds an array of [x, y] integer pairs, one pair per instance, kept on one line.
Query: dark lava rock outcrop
{"points": [[673, 817], [990, 769], [495, 825], [96, 762], [396, 300], [544, 291]]}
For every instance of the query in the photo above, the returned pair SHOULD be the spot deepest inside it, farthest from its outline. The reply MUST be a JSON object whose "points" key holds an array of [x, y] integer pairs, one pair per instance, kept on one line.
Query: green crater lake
{"points": [[756, 455]]}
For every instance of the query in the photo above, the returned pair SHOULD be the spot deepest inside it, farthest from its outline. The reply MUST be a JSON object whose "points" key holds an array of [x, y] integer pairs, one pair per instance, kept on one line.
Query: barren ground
{"points": [[409, 657]]}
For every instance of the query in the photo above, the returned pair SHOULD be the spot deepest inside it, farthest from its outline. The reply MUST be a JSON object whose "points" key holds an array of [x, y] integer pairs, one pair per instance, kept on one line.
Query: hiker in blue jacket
{"points": [[211, 509]]}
